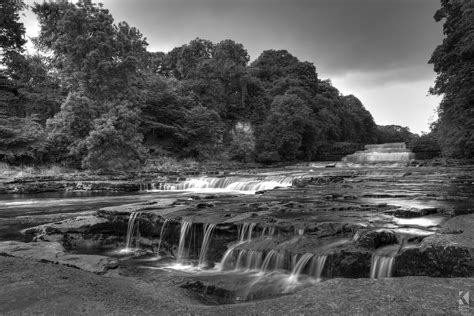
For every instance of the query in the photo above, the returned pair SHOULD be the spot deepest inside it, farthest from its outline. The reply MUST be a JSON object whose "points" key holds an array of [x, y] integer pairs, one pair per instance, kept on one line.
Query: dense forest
{"points": [[94, 97]]}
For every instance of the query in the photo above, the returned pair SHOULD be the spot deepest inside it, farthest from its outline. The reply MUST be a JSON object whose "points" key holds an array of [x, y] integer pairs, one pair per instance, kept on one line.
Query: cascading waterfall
{"points": [[269, 258], [381, 266], [295, 273], [254, 260], [161, 235], [185, 226], [250, 184], [240, 259], [208, 229], [317, 266], [133, 229], [381, 153], [227, 255], [246, 231]]}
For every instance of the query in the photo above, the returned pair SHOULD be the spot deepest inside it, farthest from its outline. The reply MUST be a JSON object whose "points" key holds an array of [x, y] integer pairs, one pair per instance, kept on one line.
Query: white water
{"points": [[381, 266], [208, 229], [185, 226], [381, 153], [161, 235], [133, 229], [246, 231], [299, 266], [227, 255], [225, 184]]}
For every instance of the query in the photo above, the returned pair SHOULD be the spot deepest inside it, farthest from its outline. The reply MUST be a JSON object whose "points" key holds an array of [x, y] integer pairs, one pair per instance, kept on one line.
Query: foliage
{"points": [[20, 138], [242, 147], [283, 132], [201, 135], [453, 61], [12, 35], [393, 134], [115, 143], [68, 129], [90, 53], [101, 101]]}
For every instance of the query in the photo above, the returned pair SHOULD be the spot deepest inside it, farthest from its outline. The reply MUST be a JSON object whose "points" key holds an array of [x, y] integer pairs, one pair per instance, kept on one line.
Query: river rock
{"points": [[54, 252], [448, 253], [376, 238]]}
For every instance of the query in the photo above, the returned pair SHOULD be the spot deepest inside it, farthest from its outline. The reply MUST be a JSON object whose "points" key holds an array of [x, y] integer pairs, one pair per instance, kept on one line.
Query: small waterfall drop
{"points": [[227, 255], [133, 229], [300, 265], [299, 231], [395, 153], [185, 226], [269, 258], [381, 266], [208, 229], [246, 231], [234, 183], [317, 266], [161, 235]]}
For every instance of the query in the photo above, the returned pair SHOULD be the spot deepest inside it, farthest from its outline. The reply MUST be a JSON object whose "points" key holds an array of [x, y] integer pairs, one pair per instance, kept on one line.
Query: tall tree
{"points": [[12, 32], [91, 53], [453, 61]]}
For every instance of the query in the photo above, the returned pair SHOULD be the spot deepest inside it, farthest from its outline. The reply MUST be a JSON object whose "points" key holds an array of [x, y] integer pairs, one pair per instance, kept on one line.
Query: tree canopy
{"points": [[95, 98], [453, 61]]}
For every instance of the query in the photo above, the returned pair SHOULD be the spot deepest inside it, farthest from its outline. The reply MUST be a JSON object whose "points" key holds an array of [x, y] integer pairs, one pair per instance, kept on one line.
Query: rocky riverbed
{"points": [[422, 217]]}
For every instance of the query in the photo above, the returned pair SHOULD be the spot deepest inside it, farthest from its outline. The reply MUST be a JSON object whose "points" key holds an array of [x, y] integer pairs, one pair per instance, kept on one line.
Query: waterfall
{"points": [[254, 260], [298, 268], [381, 153], [250, 184], [185, 226], [245, 231], [133, 229], [227, 255], [208, 229], [268, 260], [381, 266], [317, 266], [161, 235], [299, 231], [240, 259]]}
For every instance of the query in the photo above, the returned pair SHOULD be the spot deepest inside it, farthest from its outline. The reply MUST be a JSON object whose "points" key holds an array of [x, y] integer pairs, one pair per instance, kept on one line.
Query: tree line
{"points": [[95, 98]]}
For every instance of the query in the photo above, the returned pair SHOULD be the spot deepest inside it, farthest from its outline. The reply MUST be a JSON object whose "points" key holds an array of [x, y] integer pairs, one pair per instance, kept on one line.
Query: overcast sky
{"points": [[375, 49]]}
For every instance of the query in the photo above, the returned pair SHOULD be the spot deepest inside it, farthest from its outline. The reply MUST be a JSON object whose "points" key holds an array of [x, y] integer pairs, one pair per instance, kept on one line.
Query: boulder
{"points": [[376, 238], [448, 253]]}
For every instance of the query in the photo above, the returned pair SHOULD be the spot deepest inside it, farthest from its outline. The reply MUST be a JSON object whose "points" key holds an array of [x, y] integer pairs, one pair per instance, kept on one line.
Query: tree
{"points": [[115, 145], [453, 61], [12, 34], [281, 136], [20, 139], [68, 129], [201, 135], [91, 54]]}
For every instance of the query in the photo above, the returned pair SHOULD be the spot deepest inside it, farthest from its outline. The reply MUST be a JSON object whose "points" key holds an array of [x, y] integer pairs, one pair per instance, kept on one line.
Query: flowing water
{"points": [[251, 271], [381, 266], [208, 229], [133, 230], [185, 227]]}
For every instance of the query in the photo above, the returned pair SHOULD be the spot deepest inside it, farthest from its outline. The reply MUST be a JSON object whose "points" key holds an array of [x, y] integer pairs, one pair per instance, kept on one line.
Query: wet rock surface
{"points": [[33, 287], [420, 216], [54, 252]]}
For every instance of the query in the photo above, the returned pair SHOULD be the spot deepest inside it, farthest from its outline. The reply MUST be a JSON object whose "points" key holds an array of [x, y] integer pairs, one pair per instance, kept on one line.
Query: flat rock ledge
{"points": [[54, 252]]}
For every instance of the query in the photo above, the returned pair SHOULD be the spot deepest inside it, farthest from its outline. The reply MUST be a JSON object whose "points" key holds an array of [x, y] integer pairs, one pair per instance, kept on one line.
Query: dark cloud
{"points": [[338, 36]]}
